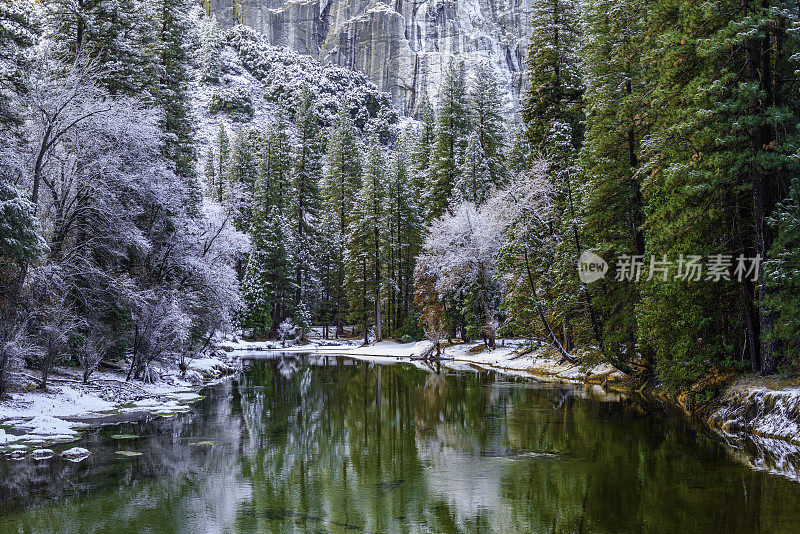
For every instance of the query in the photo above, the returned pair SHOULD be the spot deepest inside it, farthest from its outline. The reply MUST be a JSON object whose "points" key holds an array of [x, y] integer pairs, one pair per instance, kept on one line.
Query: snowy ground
{"points": [[509, 357], [33, 418]]}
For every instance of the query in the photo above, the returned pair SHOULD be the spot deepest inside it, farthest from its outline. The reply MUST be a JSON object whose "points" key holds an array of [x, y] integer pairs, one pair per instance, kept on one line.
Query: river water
{"points": [[309, 444]]}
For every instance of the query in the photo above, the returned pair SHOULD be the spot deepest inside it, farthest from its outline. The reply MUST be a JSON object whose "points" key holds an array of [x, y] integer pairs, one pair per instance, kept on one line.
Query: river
{"points": [[311, 444]]}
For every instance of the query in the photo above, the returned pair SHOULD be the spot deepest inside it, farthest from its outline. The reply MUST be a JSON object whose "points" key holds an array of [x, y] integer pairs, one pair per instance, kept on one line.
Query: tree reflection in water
{"points": [[312, 444]]}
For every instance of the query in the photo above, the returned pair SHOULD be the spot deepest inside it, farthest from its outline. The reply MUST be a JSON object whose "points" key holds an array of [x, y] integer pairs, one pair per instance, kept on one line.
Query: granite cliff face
{"points": [[403, 46]]}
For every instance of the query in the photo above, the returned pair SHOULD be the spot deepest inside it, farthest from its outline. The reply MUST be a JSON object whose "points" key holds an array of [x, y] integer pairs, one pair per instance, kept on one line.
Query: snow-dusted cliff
{"points": [[402, 46]]}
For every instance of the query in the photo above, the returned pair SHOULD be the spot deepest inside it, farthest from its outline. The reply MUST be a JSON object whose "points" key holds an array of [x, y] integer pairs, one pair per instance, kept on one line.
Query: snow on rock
{"points": [[76, 454], [46, 425], [42, 454], [761, 410]]}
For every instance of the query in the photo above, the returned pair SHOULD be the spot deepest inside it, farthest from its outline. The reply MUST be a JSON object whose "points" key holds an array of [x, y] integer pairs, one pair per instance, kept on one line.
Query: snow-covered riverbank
{"points": [[32, 419]]}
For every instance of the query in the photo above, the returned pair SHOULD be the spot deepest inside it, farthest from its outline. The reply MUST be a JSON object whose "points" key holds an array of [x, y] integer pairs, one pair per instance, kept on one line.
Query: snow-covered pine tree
{"points": [[170, 90], [116, 33], [342, 182], [404, 230], [243, 173], [422, 146], [223, 156], [487, 122], [365, 244], [275, 166], [553, 113], [616, 121], [305, 204], [15, 35], [452, 127], [210, 59], [474, 183]]}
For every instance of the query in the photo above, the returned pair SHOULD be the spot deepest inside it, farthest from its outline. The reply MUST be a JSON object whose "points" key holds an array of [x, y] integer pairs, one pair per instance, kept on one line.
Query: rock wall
{"points": [[403, 46]]}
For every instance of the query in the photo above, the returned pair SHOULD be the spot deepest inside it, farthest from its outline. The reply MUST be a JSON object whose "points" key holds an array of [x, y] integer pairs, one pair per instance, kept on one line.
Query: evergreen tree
{"points": [[475, 181], [15, 35], [305, 205], [404, 230], [715, 160], [616, 111], [242, 174], [210, 50], [451, 137], [223, 155], [275, 164], [170, 89], [365, 245], [518, 154], [342, 181], [487, 122], [422, 147], [114, 32], [553, 115]]}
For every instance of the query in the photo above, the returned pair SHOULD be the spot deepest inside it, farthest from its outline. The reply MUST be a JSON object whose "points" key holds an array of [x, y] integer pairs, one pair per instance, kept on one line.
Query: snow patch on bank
{"points": [[760, 410], [36, 418]]}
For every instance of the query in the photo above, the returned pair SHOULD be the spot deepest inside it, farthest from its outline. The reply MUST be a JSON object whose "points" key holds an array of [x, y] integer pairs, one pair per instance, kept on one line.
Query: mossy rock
{"points": [[124, 436], [129, 454]]}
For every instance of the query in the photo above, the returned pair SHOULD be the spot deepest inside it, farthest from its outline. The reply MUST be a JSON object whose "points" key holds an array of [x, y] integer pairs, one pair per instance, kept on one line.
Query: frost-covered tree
{"points": [[115, 33], [209, 56], [616, 111], [458, 262], [169, 90], [423, 139]]}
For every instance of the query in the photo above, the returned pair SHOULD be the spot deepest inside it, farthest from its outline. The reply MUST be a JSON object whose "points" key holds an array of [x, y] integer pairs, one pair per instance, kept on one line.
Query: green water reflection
{"points": [[311, 445]]}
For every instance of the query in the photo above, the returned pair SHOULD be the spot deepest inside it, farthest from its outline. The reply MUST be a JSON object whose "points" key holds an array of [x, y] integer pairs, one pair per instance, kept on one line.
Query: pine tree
{"points": [[518, 154], [15, 36], [422, 146], [553, 114], [170, 89], [404, 238], [275, 165], [305, 204], [242, 174], [365, 245], [487, 122], [223, 156], [451, 136], [210, 50], [342, 181], [475, 181], [715, 160], [615, 124], [114, 32]]}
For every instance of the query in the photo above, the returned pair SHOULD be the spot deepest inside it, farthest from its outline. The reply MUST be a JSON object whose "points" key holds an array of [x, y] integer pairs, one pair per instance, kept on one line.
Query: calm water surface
{"points": [[315, 445]]}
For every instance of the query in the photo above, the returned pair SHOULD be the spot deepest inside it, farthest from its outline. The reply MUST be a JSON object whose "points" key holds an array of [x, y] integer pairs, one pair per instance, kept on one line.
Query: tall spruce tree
{"points": [[305, 205], [342, 182], [553, 114], [616, 121], [170, 90], [404, 229], [115, 33], [487, 122], [424, 136], [365, 244], [452, 124], [715, 162]]}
